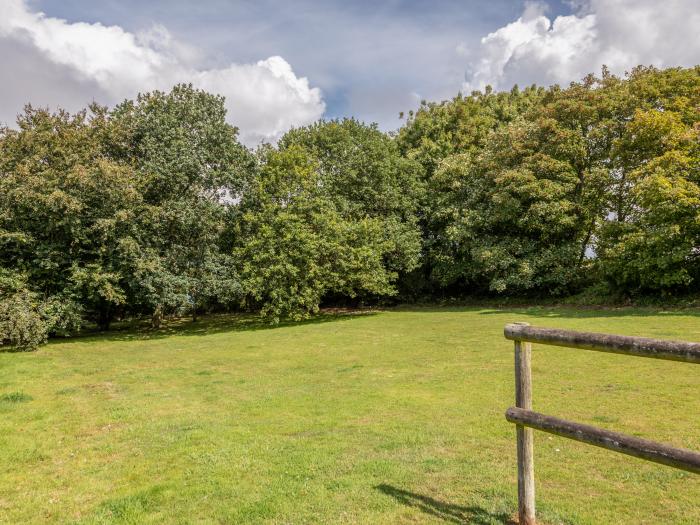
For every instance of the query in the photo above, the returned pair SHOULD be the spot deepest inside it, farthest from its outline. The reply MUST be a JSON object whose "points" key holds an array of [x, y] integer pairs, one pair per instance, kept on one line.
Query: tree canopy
{"points": [[153, 207]]}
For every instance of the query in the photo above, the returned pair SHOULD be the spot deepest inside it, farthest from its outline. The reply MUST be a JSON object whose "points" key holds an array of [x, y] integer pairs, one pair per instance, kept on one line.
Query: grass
{"points": [[389, 417]]}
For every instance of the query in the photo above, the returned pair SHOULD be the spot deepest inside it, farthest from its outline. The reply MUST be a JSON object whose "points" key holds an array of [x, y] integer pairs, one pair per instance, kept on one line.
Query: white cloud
{"points": [[264, 99], [618, 33], [49, 61]]}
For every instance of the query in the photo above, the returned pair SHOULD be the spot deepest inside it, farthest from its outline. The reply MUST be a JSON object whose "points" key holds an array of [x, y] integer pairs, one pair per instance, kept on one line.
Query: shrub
{"points": [[21, 324], [62, 315]]}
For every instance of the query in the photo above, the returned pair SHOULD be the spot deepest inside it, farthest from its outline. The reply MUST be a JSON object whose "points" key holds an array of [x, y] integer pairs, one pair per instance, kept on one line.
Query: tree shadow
{"points": [[448, 512], [207, 325], [557, 311], [590, 312]]}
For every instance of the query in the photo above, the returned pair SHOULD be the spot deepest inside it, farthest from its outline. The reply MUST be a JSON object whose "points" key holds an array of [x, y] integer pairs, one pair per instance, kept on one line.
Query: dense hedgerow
{"points": [[154, 207]]}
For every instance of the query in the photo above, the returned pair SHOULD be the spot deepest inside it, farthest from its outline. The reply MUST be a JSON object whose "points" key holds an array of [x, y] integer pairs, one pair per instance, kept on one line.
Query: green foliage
{"points": [[181, 142], [62, 314], [458, 128], [361, 172], [65, 209], [598, 176], [656, 249], [295, 247], [461, 125], [191, 167], [26, 320], [517, 217], [21, 323], [154, 207], [515, 211]]}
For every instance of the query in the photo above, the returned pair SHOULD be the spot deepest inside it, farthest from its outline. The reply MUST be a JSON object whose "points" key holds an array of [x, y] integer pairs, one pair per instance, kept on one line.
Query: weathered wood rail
{"points": [[525, 419], [632, 446], [615, 344]]}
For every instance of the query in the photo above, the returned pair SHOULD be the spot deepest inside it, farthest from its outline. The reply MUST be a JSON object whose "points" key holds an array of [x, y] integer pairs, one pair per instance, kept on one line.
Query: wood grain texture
{"points": [[633, 446], [525, 445], [618, 344]]}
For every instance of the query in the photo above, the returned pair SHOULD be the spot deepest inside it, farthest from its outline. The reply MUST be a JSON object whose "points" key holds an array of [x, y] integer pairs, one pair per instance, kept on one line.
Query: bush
{"points": [[21, 324], [62, 315]]}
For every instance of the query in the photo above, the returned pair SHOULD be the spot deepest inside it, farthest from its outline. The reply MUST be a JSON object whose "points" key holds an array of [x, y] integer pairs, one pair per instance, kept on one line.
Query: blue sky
{"points": [[353, 51], [330, 58]]}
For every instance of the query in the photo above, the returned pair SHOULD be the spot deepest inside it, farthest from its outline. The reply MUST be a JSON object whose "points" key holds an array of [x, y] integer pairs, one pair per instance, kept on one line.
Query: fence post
{"points": [[526, 467]]}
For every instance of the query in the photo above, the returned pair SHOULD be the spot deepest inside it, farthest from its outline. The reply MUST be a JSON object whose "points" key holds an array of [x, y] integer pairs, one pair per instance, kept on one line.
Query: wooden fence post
{"points": [[526, 467], [523, 335]]}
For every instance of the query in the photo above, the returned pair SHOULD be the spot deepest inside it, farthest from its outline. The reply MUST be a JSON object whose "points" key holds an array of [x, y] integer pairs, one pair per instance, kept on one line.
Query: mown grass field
{"points": [[390, 417]]}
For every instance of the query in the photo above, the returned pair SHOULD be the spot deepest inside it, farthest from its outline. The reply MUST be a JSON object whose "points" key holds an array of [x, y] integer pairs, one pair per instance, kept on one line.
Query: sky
{"points": [[285, 63]]}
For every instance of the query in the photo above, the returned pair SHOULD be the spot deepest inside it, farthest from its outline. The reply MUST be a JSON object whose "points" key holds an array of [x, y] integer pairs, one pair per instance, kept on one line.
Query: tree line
{"points": [[153, 207]]}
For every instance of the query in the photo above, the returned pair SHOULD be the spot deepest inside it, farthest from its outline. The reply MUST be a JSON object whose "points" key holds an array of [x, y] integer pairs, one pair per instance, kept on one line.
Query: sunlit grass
{"points": [[388, 417]]}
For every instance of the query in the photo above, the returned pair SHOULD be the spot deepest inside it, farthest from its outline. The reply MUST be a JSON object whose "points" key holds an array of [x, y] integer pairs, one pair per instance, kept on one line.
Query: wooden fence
{"points": [[525, 419]]}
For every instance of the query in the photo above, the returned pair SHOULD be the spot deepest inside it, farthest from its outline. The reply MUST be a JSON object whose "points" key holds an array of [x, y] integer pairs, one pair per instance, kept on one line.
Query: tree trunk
{"points": [[105, 318], [157, 317]]}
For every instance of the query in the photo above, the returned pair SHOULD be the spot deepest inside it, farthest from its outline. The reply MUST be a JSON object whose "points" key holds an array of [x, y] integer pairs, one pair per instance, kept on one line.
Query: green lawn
{"points": [[392, 417]]}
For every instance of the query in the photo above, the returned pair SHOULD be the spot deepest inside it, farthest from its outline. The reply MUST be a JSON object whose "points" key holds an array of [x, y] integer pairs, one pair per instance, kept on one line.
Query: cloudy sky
{"points": [[282, 63]]}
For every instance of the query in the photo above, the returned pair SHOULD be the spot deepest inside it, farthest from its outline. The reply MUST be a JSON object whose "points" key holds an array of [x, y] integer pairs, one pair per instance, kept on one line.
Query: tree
{"points": [[587, 129], [155, 207], [294, 245], [67, 211], [458, 128], [461, 125], [361, 172], [656, 249], [515, 218], [193, 168]]}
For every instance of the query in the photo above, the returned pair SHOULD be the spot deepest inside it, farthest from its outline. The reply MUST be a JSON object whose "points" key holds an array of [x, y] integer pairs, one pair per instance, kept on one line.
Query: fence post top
{"points": [[512, 329]]}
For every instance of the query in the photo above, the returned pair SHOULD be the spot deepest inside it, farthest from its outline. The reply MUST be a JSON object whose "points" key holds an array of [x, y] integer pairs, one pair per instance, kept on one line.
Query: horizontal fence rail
{"points": [[525, 419], [616, 344], [632, 446]]}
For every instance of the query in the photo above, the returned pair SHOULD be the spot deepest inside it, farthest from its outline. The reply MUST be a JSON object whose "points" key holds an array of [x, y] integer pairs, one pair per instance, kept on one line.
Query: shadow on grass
{"points": [[207, 325], [557, 311], [448, 512]]}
